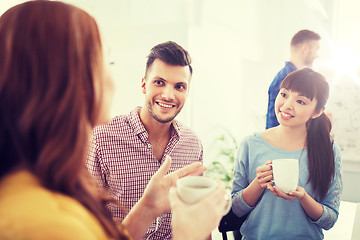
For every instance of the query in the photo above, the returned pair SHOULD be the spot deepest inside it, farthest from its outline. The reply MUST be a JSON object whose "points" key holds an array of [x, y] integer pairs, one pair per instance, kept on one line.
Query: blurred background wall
{"points": [[237, 47]]}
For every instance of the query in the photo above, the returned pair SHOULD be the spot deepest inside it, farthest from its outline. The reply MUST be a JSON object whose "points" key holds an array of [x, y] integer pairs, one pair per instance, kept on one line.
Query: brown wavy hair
{"points": [[51, 73], [318, 140]]}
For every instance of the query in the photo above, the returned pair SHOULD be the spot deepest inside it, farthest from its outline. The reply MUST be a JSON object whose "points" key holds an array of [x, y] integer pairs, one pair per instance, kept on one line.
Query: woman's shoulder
{"points": [[336, 147], [34, 212], [337, 152], [268, 133], [254, 136], [252, 141]]}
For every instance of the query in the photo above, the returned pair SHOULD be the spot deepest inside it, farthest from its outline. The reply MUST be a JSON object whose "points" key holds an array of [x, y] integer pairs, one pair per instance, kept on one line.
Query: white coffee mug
{"points": [[193, 188], [286, 174]]}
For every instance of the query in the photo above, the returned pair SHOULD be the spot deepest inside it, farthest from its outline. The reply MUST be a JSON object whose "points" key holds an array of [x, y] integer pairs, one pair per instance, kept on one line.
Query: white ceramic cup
{"points": [[193, 188], [286, 174]]}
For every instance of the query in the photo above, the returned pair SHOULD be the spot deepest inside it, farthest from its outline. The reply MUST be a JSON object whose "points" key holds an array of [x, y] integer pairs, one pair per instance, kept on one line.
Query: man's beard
{"points": [[156, 117]]}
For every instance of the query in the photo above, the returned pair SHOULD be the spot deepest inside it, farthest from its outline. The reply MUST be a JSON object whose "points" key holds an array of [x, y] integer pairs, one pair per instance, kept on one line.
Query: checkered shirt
{"points": [[121, 160]]}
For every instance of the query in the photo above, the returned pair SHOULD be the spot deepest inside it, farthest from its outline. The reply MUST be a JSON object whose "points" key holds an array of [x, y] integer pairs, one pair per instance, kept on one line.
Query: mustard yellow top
{"points": [[30, 211]]}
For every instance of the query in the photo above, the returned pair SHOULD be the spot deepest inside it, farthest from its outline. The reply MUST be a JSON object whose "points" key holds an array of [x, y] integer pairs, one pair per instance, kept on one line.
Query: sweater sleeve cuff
{"points": [[239, 206], [325, 221]]}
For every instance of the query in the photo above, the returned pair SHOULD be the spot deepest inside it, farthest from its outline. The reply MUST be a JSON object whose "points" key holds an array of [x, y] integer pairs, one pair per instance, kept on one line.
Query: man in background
{"points": [[303, 51], [127, 152]]}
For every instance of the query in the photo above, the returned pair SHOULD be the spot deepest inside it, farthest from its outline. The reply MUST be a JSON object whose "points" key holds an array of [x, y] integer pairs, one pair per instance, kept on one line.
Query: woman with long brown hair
{"points": [[52, 82]]}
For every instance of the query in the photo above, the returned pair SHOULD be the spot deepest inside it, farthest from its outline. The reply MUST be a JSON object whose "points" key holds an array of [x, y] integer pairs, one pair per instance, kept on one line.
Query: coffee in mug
{"points": [[193, 188]]}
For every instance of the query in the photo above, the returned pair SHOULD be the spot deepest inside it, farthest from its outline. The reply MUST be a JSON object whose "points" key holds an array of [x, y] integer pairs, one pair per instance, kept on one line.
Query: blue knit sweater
{"points": [[273, 217]]}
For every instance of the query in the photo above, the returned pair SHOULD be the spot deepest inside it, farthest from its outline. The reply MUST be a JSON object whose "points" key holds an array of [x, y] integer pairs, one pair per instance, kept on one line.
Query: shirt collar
{"points": [[135, 121], [290, 65]]}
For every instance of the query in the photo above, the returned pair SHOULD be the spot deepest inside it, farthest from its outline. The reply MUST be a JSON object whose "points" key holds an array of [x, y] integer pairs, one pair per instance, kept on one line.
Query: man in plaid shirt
{"points": [[126, 152]]}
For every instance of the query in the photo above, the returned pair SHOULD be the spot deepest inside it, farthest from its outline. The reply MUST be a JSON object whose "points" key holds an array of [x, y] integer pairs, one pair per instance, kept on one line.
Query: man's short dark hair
{"points": [[303, 36], [170, 53]]}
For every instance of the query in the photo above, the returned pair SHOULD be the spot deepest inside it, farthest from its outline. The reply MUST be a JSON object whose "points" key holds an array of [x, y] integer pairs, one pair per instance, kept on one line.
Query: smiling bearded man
{"points": [[125, 153], [166, 89]]}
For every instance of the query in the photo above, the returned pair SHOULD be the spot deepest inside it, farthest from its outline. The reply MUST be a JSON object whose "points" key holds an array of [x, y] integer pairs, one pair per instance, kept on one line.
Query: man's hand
{"points": [[156, 193], [155, 200]]}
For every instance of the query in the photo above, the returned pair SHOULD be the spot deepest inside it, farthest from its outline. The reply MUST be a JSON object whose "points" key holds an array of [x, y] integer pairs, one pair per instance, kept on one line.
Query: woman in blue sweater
{"points": [[304, 134]]}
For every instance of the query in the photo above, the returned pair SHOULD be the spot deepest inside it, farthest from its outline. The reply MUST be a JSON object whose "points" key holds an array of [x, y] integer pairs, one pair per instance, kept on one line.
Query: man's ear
{"points": [[305, 48], [143, 85], [318, 114]]}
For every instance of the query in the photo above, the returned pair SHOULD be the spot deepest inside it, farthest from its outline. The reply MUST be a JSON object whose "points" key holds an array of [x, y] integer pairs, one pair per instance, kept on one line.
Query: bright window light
{"points": [[345, 62]]}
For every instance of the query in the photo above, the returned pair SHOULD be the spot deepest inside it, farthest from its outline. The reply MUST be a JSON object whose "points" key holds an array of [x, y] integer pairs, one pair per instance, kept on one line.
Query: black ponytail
{"points": [[320, 154]]}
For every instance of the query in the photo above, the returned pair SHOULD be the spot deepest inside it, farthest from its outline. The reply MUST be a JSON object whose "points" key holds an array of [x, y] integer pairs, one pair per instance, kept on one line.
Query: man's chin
{"points": [[167, 120], [163, 118]]}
